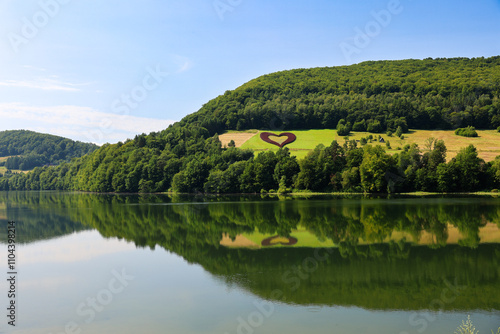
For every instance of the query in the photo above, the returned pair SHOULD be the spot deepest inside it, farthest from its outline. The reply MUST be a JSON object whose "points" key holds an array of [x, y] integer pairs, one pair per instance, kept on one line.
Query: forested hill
{"points": [[28, 149], [427, 94], [188, 155]]}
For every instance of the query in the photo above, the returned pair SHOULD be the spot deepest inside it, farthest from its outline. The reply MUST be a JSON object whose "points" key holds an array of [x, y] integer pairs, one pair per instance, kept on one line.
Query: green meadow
{"points": [[3, 169], [487, 144], [306, 141]]}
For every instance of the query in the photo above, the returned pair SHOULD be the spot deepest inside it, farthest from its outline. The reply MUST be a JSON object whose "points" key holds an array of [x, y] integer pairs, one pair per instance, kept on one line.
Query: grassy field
{"points": [[3, 169], [487, 144], [239, 137], [306, 141], [3, 211]]}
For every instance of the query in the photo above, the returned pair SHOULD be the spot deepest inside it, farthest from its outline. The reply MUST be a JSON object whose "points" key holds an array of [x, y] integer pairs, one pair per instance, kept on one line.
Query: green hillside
{"points": [[371, 96], [25, 150], [424, 94]]}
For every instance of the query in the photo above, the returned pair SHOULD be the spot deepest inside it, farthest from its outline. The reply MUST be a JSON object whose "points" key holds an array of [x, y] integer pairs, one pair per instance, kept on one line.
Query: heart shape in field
{"points": [[275, 139], [279, 240]]}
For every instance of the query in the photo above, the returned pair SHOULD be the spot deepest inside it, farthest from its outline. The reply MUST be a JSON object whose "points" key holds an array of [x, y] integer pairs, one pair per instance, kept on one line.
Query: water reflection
{"points": [[372, 253]]}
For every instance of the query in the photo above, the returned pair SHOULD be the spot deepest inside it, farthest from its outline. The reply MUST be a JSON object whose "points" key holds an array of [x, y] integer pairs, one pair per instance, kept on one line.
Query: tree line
{"points": [[345, 221], [188, 160]]}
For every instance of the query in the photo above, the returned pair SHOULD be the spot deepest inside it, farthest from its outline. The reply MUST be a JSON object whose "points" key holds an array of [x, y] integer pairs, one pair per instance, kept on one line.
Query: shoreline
{"points": [[290, 194]]}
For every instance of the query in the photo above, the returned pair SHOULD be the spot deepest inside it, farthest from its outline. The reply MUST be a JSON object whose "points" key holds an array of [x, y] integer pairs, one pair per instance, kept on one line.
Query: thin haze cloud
{"points": [[78, 121], [43, 84]]}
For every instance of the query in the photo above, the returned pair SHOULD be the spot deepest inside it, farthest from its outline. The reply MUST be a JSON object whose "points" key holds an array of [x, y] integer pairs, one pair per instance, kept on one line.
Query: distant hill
{"points": [[424, 94], [27, 149]]}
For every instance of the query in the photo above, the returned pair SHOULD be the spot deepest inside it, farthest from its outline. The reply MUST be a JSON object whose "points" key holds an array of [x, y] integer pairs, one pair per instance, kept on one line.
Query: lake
{"points": [[90, 263]]}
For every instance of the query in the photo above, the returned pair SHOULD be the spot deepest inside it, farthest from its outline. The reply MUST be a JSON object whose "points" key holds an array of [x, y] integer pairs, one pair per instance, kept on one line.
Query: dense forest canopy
{"points": [[426, 94], [28, 149], [188, 156]]}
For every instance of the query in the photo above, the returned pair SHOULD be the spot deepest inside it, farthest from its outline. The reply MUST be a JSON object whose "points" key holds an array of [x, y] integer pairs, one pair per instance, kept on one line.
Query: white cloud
{"points": [[78, 123], [39, 69], [82, 246], [48, 283], [42, 83]]}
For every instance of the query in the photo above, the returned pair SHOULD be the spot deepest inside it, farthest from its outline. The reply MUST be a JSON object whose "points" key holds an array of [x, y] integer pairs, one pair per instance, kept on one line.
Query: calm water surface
{"points": [[168, 264]]}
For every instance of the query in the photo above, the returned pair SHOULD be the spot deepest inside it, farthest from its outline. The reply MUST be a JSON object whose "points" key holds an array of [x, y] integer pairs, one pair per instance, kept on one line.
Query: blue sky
{"points": [[105, 70]]}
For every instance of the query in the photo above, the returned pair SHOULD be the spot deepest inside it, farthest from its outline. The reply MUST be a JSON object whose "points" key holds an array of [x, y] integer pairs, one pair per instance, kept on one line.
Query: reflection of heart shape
{"points": [[288, 136], [278, 240]]}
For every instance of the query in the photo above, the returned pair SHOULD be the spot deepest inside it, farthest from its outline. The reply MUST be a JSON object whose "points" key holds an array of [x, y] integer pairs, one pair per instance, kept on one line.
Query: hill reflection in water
{"points": [[389, 254]]}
